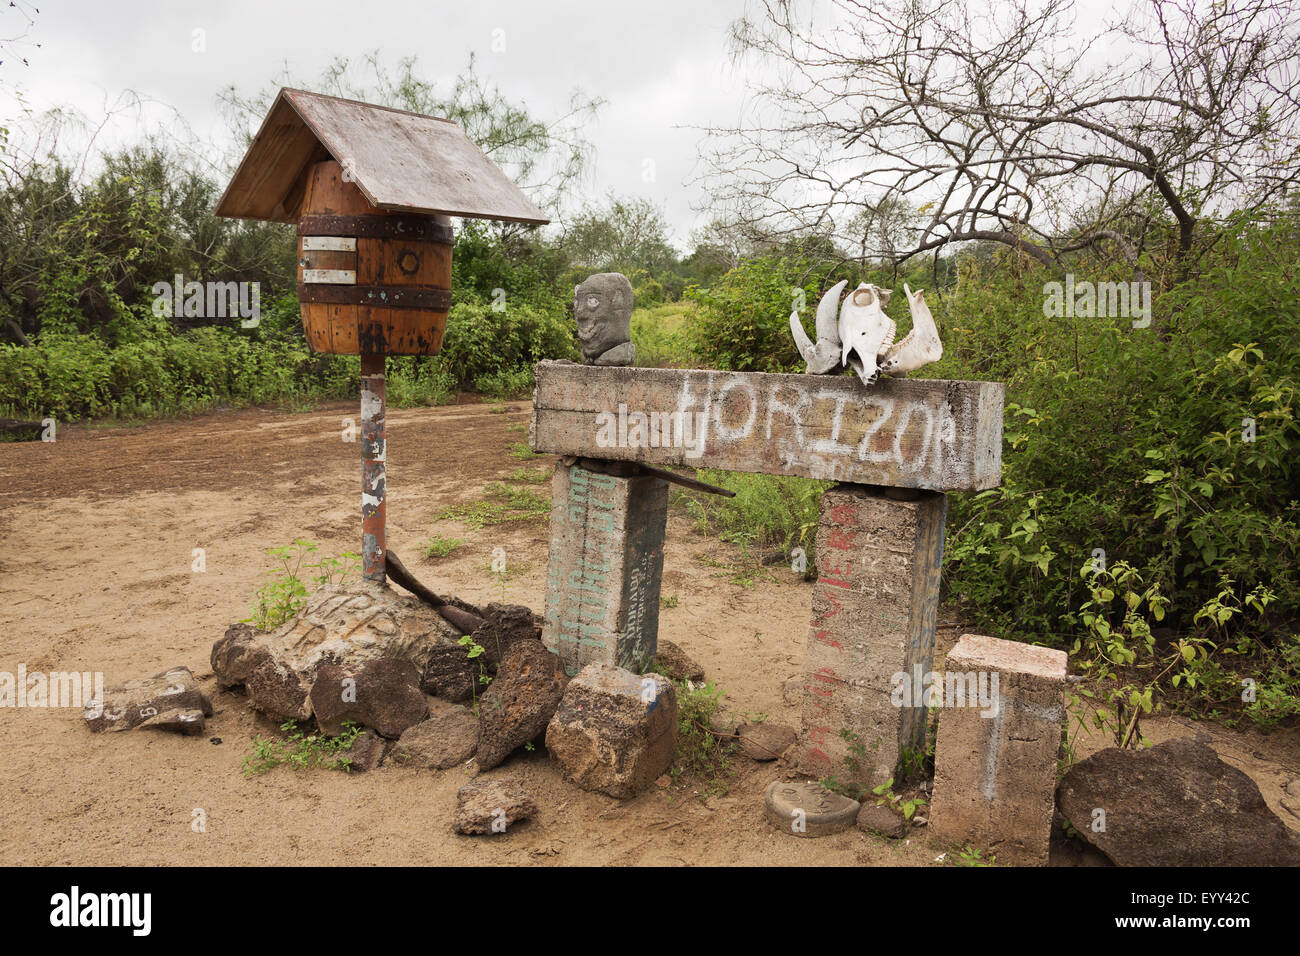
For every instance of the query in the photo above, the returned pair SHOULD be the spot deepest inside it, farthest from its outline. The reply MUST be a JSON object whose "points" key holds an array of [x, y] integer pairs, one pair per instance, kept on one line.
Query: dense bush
{"points": [[481, 342], [743, 321], [1125, 446], [1128, 444]]}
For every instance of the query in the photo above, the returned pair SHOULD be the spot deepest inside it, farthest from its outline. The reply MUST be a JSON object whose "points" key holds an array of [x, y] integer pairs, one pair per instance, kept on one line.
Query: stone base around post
{"points": [[873, 618], [996, 757], [605, 568]]}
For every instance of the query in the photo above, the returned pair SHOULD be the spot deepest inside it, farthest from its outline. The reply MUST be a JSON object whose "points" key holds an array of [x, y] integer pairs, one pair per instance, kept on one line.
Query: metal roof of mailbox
{"points": [[404, 162]]}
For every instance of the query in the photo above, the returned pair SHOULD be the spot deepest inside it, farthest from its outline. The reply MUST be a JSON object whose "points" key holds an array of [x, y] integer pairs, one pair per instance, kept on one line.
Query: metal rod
{"points": [[626, 469], [373, 456]]}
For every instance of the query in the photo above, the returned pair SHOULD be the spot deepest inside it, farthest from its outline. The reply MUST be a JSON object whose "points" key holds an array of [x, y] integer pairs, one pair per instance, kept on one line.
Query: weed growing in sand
{"points": [[529, 475], [302, 750], [886, 797], [440, 546], [853, 761], [502, 504], [974, 856], [521, 452], [284, 595], [474, 650], [517, 427], [701, 754]]}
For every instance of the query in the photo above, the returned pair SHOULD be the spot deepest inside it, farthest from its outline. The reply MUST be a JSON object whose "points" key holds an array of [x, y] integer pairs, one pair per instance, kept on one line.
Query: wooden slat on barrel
{"points": [[408, 278]]}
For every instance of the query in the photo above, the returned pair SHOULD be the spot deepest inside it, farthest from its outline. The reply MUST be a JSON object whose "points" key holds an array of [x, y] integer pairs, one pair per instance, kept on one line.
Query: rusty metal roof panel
{"points": [[401, 161]]}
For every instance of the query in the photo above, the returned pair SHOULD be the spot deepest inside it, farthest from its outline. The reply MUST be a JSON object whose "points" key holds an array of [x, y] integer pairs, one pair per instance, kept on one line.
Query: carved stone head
{"points": [[603, 307]]}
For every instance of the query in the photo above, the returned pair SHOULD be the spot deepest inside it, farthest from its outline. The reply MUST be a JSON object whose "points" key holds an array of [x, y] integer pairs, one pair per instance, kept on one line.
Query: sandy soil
{"points": [[96, 539]]}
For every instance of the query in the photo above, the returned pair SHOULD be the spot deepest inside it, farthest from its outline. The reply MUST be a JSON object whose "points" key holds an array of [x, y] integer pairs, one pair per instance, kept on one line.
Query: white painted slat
{"points": [[329, 244], [330, 276]]}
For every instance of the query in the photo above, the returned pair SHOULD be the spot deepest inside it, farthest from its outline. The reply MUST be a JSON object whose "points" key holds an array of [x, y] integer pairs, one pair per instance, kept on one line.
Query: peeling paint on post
{"points": [[606, 565], [873, 616], [373, 456]]}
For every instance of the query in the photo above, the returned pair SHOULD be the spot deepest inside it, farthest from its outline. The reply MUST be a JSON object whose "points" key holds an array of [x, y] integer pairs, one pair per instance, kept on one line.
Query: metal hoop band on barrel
{"points": [[376, 227], [378, 296]]}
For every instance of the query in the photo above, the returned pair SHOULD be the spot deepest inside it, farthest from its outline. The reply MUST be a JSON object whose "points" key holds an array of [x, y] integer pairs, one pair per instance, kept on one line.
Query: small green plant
{"points": [[521, 452], [701, 754], [974, 856], [517, 427], [301, 749], [915, 764], [440, 546], [285, 594], [475, 651], [667, 600], [857, 753], [887, 798]]}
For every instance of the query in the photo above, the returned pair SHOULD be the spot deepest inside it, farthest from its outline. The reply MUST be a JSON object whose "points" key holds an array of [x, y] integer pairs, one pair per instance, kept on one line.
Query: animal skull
{"points": [[863, 337], [921, 346], [824, 355], [865, 331]]}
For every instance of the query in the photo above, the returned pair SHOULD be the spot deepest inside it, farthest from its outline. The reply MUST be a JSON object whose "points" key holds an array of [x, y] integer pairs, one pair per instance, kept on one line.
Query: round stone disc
{"points": [[808, 809]]}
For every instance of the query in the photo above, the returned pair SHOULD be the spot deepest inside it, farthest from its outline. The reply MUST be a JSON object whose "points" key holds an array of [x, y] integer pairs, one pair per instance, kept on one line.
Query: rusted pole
{"points": [[373, 455]]}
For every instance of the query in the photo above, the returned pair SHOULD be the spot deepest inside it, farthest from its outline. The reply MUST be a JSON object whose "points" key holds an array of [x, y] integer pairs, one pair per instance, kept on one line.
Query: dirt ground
{"points": [[97, 532]]}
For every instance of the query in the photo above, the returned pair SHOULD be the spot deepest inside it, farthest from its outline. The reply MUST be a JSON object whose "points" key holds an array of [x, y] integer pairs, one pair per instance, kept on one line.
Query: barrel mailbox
{"points": [[371, 190], [369, 280]]}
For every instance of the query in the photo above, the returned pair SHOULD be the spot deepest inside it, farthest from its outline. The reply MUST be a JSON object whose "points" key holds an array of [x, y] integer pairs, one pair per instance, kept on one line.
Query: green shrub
{"points": [[480, 342], [768, 512], [660, 335], [414, 380], [743, 322], [1130, 444], [509, 383]]}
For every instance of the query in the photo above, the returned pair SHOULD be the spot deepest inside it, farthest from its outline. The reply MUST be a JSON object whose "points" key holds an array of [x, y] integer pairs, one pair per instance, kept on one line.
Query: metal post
{"points": [[373, 455]]}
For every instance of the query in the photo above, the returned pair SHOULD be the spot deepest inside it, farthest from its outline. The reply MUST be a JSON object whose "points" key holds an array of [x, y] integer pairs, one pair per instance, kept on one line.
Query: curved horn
{"points": [[800, 336], [828, 319]]}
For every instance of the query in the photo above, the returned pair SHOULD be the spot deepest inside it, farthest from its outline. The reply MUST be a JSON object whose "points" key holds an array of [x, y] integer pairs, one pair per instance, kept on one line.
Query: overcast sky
{"points": [[661, 66]]}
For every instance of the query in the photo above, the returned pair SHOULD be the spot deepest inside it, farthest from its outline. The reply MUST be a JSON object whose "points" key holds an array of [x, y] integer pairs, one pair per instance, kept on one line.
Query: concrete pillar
{"points": [[995, 759], [873, 617], [606, 566]]}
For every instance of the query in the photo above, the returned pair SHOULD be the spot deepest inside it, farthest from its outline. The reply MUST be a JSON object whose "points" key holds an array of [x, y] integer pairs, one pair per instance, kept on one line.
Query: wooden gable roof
{"points": [[401, 161]]}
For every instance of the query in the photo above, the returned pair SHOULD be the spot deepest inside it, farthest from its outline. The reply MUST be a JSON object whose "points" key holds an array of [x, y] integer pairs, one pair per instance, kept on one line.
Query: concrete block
{"points": [[605, 568], [873, 617], [995, 766]]}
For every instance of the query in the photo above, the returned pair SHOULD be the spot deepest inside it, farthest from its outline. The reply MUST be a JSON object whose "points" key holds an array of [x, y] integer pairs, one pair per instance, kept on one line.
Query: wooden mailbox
{"points": [[371, 190]]}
